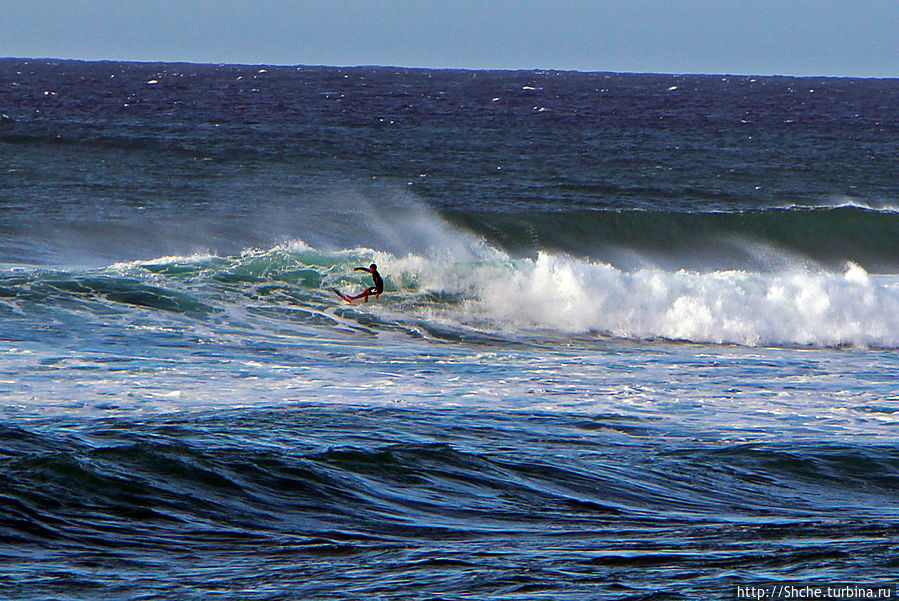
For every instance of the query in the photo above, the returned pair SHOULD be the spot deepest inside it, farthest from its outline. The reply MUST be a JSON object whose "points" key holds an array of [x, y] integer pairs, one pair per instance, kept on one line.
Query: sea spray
{"points": [[503, 295], [785, 308]]}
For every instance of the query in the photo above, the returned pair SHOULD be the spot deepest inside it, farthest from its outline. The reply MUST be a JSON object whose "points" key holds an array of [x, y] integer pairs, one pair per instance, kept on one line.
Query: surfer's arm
{"points": [[365, 269]]}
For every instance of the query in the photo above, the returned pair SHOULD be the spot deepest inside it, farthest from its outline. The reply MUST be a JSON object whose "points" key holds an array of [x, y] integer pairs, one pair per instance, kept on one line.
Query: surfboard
{"points": [[348, 299]]}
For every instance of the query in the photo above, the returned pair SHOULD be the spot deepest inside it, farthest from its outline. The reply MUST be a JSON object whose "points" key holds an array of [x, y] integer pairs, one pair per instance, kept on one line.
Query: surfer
{"points": [[377, 289]]}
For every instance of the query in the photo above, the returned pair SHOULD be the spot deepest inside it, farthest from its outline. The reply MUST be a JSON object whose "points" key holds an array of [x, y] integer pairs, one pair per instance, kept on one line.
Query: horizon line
{"points": [[431, 68]]}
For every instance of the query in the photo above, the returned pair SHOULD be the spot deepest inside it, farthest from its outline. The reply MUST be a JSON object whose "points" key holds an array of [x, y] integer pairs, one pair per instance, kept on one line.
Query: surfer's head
{"points": [[372, 267]]}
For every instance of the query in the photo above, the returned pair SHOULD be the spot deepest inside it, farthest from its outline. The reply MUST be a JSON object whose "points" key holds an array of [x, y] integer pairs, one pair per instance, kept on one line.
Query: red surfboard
{"points": [[365, 294], [348, 299]]}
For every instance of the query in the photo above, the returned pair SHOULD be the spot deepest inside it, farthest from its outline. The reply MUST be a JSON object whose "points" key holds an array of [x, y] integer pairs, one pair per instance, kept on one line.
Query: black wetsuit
{"points": [[378, 288]]}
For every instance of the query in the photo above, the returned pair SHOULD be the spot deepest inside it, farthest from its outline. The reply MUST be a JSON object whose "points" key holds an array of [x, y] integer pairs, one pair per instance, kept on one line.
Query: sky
{"points": [[754, 37]]}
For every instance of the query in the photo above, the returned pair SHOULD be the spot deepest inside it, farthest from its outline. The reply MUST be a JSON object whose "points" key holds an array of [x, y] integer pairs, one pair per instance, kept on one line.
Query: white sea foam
{"points": [[792, 302], [848, 202], [789, 307], [199, 257], [440, 272]]}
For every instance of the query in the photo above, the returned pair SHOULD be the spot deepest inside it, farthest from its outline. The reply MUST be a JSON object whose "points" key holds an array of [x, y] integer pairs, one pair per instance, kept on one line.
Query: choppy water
{"points": [[638, 339]]}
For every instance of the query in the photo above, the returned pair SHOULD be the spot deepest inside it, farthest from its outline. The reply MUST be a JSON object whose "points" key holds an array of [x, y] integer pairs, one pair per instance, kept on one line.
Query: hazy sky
{"points": [[794, 37]]}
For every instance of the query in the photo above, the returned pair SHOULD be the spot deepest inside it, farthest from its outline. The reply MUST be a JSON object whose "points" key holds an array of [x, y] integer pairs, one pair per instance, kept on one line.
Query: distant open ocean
{"points": [[639, 337]]}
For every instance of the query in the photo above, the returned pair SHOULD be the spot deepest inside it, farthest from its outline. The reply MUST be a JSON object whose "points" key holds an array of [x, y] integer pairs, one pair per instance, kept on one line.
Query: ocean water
{"points": [[639, 337]]}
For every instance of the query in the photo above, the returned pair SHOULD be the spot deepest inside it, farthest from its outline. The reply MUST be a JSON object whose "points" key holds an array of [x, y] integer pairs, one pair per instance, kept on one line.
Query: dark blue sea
{"points": [[639, 337]]}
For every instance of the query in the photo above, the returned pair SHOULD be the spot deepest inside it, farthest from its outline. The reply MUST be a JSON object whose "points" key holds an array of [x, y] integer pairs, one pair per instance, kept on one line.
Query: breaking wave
{"points": [[484, 292]]}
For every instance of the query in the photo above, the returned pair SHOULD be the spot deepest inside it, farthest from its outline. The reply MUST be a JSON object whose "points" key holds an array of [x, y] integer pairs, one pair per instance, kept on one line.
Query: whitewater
{"points": [[224, 310]]}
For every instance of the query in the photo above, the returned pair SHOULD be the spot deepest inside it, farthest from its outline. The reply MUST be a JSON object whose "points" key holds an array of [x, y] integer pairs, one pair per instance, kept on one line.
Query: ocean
{"points": [[639, 337]]}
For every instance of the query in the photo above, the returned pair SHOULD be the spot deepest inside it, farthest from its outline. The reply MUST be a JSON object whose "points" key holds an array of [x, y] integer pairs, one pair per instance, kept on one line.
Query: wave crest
{"points": [[452, 294], [794, 307]]}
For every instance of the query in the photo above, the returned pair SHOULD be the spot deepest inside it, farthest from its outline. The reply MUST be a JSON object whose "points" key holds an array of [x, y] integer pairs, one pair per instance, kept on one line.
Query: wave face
{"points": [[488, 292], [755, 239]]}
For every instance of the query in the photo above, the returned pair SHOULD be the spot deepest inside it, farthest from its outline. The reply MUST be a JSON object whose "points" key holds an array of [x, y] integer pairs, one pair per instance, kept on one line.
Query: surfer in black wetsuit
{"points": [[377, 289]]}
